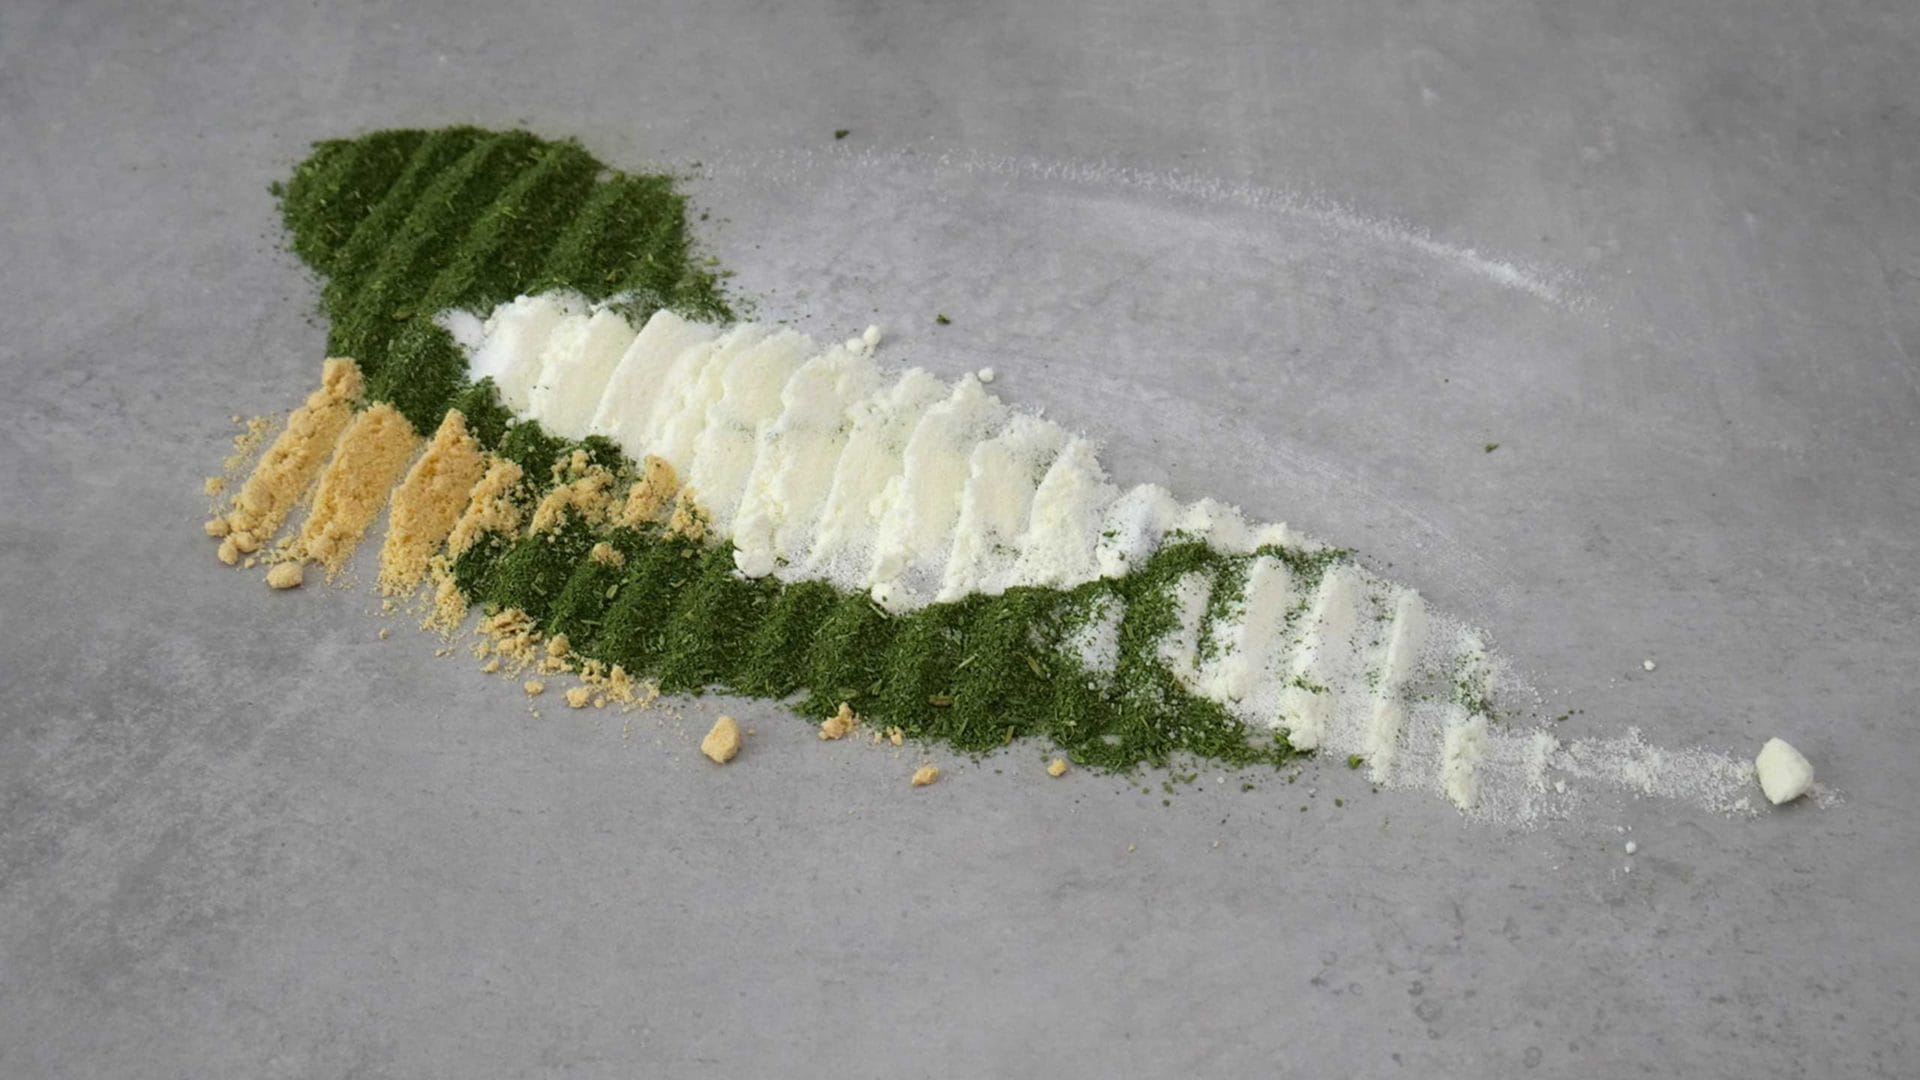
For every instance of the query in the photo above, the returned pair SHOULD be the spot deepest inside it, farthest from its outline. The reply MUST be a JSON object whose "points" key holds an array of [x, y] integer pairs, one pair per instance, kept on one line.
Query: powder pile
{"points": [[428, 503], [369, 457]]}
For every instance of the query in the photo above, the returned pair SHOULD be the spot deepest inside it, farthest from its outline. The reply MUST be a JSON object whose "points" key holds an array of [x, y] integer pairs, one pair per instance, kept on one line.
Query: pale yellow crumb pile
{"points": [[689, 518], [896, 736], [840, 724], [648, 498], [723, 741], [289, 466], [491, 506], [925, 774], [213, 486], [1057, 767], [578, 696], [368, 459], [607, 555], [585, 494], [534, 687], [286, 575], [428, 503]]}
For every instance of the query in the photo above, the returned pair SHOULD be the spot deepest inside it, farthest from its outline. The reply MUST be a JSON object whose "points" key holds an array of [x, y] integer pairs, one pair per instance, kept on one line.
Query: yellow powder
{"points": [[558, 647], [607, 555], [218, 528], [689, 518], [896, 736], [366, 462], [228, 553], [650, 495], [723, 741], [213, 485], [490, 666], [589, 495], [840, 724], [245, 443], [1057, 767], [578, 696], [925, 775], [490, 507], [513, 636], [428, 503], [534, 687], [289, 466], [285, 575]]}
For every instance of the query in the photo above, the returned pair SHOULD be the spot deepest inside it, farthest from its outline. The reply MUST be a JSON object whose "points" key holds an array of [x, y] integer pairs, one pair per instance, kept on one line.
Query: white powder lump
{"points": [[799, 452], [997, 505], [514, 340], [1063, 526], [750, 383], [578, 360], [923, 502], [869, 466], [1785, 773], [633, 388]]}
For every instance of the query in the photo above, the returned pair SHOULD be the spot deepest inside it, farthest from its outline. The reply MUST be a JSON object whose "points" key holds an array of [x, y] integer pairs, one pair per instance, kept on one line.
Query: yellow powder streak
{"points": [[428, 503], [490, 507], [367, 460], [289, 466], [650, 495]]}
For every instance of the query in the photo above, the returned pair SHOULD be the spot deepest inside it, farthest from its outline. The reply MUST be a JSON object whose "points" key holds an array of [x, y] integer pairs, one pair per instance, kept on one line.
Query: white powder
{"points": [[817, 466], [997, 505]]}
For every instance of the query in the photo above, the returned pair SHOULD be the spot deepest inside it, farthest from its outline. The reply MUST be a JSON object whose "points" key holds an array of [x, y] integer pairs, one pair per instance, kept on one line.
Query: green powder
{"points": [[406, 224]]}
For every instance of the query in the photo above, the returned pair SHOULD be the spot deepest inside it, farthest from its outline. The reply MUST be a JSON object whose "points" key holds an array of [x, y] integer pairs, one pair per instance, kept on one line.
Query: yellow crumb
{"points": [[534, 687], [491, 506], [290, 465], [513, 636], [251, 562], [1057, 767], [490, 666], [925, 775], [840, 724], [586, 497], [428, 503], [578, 697], [228, 553], [244, 542], [558, 646], [599, 701], [607, 555], [384, 632], [285, 575], [722, 741], [896, 736], [214, 485], [367, 460], [689, 518], [218, 528], [649, 496]]}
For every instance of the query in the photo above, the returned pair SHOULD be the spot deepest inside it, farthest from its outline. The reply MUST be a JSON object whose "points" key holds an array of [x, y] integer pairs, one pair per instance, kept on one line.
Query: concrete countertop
{"points": [[1309, 258]]}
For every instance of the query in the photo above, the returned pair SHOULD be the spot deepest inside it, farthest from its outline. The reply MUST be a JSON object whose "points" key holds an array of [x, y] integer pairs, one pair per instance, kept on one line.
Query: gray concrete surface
{"points": [[239, 836]]}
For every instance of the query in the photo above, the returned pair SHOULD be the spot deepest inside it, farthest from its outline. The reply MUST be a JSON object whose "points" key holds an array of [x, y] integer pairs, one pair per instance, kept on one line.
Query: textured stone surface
{"points": [[239, 836]]}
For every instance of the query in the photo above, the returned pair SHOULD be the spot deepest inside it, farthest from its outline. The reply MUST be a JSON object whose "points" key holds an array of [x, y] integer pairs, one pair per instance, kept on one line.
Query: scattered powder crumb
{"points": [[722, 741], [229, 552], [218, 528], [1648, 664], [689, 518], [1057, 767], [578, 697], [428, 503], [384, 631], [986, 375], [1785, 774], [514, 637], [252, 562], [1632, 847], [490, 666], [586, 496], [491, 507], [534, 687], [289, 466], [925, 774], [647, 500], [286, 575], [213, 486], [366, 462], [840, 724], [607, 555]]}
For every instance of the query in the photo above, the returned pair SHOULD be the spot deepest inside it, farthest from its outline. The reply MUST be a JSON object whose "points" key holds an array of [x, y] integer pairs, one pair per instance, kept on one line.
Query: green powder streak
{"points": [[406, 224]]}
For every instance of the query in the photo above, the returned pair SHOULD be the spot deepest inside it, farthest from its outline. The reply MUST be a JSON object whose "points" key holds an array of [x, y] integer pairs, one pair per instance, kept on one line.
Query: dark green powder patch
{"points": [[405, 224]]}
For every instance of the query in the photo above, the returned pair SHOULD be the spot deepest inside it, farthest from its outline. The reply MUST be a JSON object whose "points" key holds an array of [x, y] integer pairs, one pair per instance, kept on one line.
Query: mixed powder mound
{"points": [[615, 468]]}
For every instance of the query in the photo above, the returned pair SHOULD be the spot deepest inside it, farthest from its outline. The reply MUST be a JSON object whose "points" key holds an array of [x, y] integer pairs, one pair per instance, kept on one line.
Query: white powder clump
{"points": [[1785, 774], [996, 507]]}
